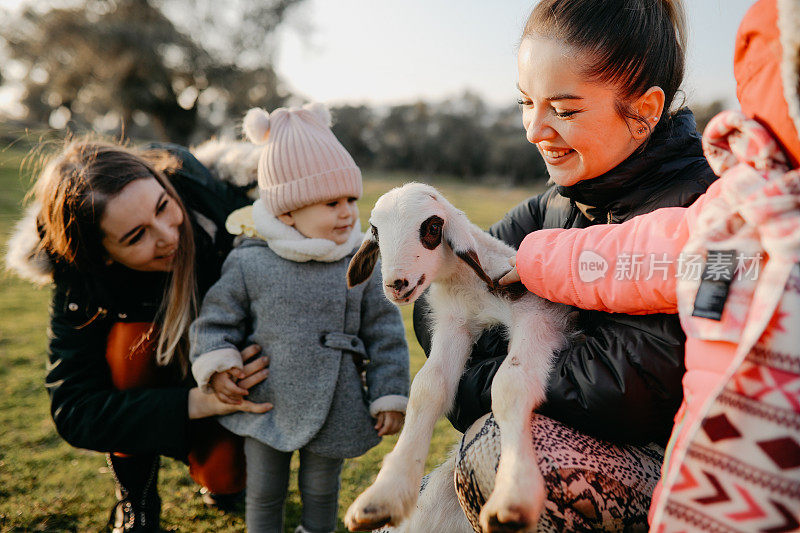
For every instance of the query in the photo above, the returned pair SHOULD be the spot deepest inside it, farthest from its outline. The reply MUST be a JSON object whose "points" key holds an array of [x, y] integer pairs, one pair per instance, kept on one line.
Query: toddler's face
{"points": [[333, 220]]}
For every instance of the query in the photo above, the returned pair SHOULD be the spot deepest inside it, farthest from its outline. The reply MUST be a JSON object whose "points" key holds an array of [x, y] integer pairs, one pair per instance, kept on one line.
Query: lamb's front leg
{"points": [[518, 388], [391, 498]]}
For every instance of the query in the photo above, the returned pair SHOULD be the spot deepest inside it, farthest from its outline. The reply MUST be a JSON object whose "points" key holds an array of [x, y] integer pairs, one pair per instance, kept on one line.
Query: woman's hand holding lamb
{"points": [[512, 276]]}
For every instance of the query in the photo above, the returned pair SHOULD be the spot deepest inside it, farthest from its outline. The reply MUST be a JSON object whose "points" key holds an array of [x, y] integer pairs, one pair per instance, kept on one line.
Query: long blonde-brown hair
{"points": [[73, 191]]}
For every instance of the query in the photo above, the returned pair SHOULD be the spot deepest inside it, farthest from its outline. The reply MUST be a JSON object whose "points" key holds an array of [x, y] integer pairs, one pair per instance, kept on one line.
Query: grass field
{"points": [[46, 485]]}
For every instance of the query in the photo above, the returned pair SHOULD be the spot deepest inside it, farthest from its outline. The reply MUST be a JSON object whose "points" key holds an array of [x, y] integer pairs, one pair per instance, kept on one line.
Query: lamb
{"points": [[423, 241]]}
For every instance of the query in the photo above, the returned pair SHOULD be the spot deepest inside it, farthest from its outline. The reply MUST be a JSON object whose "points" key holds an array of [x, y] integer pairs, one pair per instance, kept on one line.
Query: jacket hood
{"points": [[23, 253], [675, 142], [766, 64]]}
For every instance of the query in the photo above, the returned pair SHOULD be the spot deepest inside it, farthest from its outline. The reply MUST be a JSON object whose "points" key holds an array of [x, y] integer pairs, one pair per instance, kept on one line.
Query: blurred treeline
{"points": [[185, 70], [461, 137], [168, 69]]}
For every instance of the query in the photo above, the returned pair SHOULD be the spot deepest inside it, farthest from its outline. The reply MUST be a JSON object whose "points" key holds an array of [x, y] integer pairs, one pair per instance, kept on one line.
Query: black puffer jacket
{"points": [[621, 380], [87, 410]]}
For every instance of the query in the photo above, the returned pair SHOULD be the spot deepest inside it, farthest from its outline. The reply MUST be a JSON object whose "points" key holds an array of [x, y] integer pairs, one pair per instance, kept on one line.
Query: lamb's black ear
{"points": [[363, 262], [470, 257], [514, 291]]}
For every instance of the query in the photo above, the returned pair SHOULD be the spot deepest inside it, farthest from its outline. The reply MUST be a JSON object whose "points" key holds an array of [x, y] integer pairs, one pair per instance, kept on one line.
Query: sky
{"points": [[381, 52]]}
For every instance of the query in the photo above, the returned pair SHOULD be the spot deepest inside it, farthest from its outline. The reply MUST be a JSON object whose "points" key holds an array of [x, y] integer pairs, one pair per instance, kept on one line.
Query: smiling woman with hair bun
{"points": [[599, 97], [736, 431]]}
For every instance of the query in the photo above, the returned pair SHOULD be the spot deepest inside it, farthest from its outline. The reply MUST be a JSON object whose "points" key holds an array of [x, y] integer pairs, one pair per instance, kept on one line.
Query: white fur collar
{"points": [[23, 254], [290, 244]]}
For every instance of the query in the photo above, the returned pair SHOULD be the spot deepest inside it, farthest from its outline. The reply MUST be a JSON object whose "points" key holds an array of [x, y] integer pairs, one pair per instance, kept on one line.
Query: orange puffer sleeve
{"points": [[627, 268]]}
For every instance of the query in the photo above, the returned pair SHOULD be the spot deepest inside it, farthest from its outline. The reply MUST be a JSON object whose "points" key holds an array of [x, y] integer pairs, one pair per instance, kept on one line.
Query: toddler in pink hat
{"points": [[302, 163], [338, 375]]}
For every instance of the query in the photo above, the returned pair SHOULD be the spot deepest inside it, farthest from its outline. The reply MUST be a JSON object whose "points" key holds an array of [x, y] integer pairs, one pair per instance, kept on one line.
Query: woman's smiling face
{"points": [[141, 226], [573, 121]]}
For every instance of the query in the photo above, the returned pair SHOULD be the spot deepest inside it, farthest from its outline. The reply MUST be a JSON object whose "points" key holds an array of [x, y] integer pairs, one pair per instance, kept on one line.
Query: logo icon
{"points": [[591, 266]]}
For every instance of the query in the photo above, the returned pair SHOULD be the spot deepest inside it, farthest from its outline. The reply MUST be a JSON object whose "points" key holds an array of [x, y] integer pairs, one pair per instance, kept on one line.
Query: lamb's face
{"points": [[408, 225]]}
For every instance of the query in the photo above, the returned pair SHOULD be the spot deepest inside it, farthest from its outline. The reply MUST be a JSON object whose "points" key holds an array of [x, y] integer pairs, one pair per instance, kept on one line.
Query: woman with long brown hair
{"points": [[130, 240]]}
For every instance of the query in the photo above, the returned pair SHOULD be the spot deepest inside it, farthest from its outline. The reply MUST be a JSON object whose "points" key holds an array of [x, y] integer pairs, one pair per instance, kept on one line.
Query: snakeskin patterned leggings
{"points": [[592, 485]]}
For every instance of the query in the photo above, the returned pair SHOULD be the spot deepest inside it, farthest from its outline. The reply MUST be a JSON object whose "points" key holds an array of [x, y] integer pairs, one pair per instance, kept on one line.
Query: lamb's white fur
{"points": [[463, 304]]}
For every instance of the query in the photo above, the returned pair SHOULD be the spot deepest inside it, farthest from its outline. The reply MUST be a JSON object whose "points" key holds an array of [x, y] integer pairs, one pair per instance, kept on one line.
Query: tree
{"points": [[405, 139], [355, 126], [462, 144], [459, 137], [511, 155], [125, 65]]}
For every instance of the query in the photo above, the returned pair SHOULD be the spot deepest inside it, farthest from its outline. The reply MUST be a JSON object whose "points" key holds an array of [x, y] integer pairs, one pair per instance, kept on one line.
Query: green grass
{"points": [[46, 485]]}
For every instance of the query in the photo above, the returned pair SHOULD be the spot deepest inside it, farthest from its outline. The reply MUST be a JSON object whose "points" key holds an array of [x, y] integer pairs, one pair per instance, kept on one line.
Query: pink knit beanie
{"points": [[302, 163]]}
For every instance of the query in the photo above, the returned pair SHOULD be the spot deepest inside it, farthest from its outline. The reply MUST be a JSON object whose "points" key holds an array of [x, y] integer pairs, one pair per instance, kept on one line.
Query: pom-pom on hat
{"points": [[302, 163]]}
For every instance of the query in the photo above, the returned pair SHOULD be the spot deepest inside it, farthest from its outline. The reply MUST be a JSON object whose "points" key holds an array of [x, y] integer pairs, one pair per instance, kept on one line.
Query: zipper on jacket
{"points": [[123, 500], [99, 314], [148, 484], [573, 214]]}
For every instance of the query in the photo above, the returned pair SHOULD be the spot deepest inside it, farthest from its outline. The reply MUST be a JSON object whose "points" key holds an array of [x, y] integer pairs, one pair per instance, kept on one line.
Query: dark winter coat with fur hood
{"points": [[87, 410]]}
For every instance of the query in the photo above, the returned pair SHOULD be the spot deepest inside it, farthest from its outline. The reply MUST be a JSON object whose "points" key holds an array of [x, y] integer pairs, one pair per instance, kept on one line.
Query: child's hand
{"points": [[389, 422], [230, 386], [226, 388]]}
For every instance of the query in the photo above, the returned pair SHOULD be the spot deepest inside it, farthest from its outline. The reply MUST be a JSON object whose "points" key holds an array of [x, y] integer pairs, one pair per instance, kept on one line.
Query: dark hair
{"points": [[73, 191], [634, 44]]}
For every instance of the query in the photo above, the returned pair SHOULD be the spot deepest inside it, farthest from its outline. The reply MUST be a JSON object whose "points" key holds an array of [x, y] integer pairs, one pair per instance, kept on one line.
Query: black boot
{"points": [[222, 502], [138, 506]]}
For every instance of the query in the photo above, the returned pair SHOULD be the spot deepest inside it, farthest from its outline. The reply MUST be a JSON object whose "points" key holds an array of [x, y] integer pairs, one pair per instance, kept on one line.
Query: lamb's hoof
{"points": [[512, 522], [354, 524], [364, 515], [498, 516], [389, 500]]}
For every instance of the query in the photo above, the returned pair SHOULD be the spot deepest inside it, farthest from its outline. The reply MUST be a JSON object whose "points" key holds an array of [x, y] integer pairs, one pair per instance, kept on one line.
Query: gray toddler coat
{"points": [[309, 323]]}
